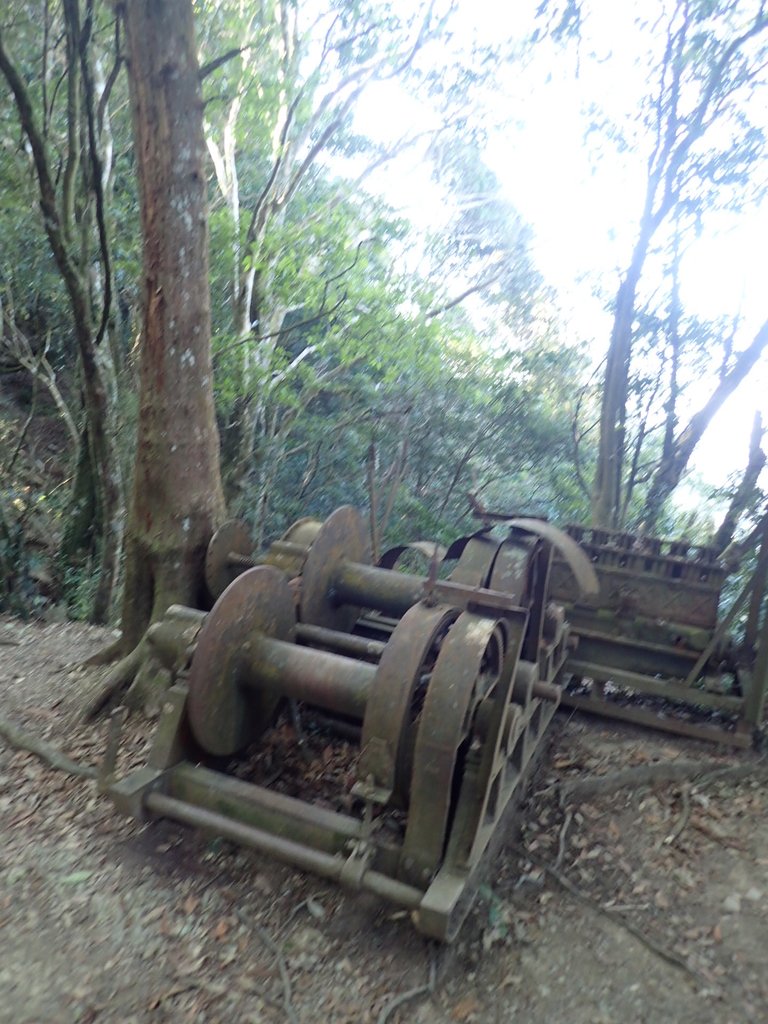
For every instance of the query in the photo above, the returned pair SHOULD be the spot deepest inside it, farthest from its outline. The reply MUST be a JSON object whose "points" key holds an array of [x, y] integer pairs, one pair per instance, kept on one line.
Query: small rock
{"points": [[315, 908], [732, 903], [753, 895], [684, 877], [307, 940]]}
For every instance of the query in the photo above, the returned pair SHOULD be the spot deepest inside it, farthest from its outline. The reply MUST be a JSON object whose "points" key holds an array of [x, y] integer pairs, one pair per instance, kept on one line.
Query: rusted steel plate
{"points": [[672, 689], [304, 531], [475, 555], [485, 787], [511, 569], [642, 716], [647, 576], [223, 715], [467, 668], [341, 538], [574, 557], [231, 538], [390, 712], [428, 548]]}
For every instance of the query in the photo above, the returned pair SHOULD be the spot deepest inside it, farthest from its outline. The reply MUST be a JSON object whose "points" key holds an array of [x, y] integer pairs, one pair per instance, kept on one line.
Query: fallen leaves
{"points": [[190, 904], [77, 878], [221, 929], [466, 1009]]}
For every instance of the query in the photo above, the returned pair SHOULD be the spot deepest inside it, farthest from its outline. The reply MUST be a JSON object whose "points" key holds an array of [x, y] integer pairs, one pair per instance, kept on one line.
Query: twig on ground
{"points": [[682, 821], [52, 756], [661, 951], [282, 966], [718, 837], [412, 993], [561, 841]]}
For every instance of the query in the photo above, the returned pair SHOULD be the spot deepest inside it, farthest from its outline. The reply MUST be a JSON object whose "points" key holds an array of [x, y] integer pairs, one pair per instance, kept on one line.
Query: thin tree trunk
{"points": [[606, 493], [745, 492], [59, 226], [671, 469]]}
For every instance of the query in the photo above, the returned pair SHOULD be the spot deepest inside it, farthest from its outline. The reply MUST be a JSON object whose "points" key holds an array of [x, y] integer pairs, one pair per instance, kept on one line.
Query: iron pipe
{"points": [[366, 586], [335, 640], [330, 681], [308, 859]]}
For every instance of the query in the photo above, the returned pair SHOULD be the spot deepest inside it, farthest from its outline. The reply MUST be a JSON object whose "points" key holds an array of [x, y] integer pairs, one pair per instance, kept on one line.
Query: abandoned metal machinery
{"points": [[431, 692], [652, 631], [436, 691]]}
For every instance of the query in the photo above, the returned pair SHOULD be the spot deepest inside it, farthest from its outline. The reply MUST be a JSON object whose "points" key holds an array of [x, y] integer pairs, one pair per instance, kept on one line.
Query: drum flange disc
{"points": [[226, 714]]}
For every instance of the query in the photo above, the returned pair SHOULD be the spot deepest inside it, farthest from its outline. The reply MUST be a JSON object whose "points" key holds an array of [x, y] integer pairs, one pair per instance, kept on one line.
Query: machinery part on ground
{"points": [[652, 629], [429, 550], [448, 712], [333, 562], [230, 552], [646, 578], [436, 698], [223, 714]]}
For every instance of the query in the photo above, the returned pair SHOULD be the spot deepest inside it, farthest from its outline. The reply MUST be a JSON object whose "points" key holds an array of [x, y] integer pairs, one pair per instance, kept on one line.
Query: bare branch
{"points": [[473, 289], [217, 62]]}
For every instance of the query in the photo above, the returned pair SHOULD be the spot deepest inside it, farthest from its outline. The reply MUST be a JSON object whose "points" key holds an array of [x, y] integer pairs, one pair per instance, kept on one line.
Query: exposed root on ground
{"points": [[52, 756], [412, 993], [702, 772], [685, 816], [285, 977], [116, 682], [657, 948], [106, 655]]}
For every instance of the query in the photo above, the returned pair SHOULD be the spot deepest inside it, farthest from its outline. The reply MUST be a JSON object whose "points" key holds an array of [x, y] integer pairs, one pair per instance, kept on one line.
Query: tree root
{"points": [[659, 950], [285, 977], [702, 772], [106, 655], [412, 993], [717, 836], [116, 682], [52, 756], [682, 821]]}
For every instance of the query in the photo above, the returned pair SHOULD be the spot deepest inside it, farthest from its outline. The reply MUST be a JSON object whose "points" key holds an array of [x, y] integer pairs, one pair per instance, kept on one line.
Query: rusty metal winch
{"points": [[446, 686]]}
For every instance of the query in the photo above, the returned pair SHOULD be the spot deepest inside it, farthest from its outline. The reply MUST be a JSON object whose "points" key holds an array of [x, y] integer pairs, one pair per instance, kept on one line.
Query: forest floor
{"points": [[106, 919]]}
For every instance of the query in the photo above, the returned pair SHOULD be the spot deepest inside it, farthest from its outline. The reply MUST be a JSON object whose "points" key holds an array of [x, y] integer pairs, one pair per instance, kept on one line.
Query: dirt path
{"points": [[106, 919]]}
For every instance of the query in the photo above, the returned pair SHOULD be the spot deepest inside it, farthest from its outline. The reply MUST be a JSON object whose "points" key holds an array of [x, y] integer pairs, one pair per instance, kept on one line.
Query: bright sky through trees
{"points": [[582, 192]]}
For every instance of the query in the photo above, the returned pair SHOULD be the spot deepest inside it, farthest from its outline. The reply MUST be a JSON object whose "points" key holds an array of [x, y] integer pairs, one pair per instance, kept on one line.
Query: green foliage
{"points": [[358, 380], [78, 587]]}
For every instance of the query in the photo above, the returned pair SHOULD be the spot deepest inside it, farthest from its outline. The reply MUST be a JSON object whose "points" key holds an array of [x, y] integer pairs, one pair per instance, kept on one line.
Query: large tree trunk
{"points": [[177, 496]]}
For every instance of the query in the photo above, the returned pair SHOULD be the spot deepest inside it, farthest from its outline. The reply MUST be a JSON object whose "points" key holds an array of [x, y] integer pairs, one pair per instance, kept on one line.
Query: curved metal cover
{"points": [[577, 561], [430, 549]]}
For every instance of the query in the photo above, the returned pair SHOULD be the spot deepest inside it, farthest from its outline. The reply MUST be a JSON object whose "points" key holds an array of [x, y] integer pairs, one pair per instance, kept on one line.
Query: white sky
{"points": [[582, 199]]}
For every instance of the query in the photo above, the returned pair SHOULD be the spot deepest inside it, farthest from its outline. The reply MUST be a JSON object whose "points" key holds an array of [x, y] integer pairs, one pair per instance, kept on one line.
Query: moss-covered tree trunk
{"points": [[177, 495]]}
